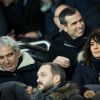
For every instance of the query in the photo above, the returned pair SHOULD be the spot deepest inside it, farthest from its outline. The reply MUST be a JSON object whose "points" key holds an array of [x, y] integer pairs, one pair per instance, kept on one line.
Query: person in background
{"points": [[57, 11], [3, 24], [88, 9], [24, 18], [16, 65]]}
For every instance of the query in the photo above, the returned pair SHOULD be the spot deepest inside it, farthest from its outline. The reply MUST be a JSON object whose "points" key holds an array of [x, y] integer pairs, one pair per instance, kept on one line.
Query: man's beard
{"points": [[46, 87]]}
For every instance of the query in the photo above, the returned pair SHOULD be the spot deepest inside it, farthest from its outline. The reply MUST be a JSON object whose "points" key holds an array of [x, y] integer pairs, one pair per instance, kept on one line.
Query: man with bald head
{"points": [[53, 23], [56, 15]]}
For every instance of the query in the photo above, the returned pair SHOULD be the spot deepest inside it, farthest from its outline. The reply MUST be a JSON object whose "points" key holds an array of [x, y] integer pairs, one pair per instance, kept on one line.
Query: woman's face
{"points": [[95, 49]]}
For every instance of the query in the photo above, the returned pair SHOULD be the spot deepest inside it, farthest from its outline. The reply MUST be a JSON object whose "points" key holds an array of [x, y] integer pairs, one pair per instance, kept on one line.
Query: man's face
{"points": [[8, 58], [7, 2], [45, 78], [75, 25]]}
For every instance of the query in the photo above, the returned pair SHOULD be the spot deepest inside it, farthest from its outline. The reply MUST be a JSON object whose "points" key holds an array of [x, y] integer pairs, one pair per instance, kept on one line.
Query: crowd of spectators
{"points": [[71, 67]]}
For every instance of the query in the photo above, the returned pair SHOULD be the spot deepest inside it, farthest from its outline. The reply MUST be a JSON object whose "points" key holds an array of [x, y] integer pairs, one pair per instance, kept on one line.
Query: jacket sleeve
{"points": [[78, 77]]}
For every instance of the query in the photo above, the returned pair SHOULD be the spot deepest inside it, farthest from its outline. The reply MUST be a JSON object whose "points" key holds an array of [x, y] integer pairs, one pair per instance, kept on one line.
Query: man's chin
{"points": [[9, 70]]}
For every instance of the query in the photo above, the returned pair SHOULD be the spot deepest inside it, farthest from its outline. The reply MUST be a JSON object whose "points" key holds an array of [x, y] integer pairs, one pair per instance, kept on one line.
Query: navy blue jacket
{"points": [[85, 74]]}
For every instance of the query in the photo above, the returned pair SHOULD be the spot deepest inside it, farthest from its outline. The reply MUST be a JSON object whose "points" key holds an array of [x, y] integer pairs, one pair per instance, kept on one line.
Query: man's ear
{"points": [[56, 79], [63, 27]]}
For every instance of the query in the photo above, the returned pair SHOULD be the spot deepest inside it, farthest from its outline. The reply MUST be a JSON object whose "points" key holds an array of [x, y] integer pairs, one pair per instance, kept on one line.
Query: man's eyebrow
{"points": [[41, 73]]}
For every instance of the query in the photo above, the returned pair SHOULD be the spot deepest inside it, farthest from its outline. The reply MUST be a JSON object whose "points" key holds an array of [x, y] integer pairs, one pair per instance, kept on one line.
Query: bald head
{"points": [[58, 10]]}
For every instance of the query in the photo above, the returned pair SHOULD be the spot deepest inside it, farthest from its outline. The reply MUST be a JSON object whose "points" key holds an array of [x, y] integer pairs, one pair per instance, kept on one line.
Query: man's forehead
{"points": [[59, 9], [73, 17], [44, 68]]}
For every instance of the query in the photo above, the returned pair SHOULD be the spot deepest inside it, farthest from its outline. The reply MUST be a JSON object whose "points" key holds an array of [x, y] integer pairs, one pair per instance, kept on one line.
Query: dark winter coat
{"points": [[63, 91], [87, 73], [65, 46]]}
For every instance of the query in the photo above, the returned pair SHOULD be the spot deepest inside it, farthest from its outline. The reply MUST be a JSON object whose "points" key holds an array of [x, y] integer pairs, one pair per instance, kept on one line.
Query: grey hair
{"points": [[8, 41]]}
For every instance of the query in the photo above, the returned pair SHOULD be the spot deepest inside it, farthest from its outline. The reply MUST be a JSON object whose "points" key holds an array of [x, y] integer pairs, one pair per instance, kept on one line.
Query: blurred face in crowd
{"points": [[46, 5], [75, 25], [8, 2], [95, 49], [8, 58], [46, 79]]}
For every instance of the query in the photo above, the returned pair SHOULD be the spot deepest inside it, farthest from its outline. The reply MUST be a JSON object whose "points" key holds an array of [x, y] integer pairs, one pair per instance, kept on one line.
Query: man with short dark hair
{"points": [[49, 75], [52, 84], [70, 42]]}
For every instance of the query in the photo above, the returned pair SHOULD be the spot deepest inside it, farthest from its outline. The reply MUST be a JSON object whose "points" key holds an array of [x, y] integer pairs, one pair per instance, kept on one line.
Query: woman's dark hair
{"points": [[95, 35]]}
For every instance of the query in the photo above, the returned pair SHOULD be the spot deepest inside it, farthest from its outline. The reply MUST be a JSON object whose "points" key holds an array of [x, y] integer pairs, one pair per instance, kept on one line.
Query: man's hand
{"points": [[62, 61], [89, 94], [33, 35], [29, 90]]}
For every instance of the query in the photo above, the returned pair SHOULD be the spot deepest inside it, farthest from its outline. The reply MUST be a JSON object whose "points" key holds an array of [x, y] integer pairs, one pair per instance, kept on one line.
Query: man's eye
{"points": [[1, 57], [10, 54], [43, 75]]}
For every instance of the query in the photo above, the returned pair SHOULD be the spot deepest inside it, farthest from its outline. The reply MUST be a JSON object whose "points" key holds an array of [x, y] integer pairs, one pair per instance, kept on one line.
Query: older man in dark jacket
{"points": [[16, 65]]}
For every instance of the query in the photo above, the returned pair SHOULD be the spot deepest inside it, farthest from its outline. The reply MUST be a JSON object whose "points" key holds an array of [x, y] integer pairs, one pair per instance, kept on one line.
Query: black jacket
{"points": [[84, 75], [65, 46], [87, 73], [62, 91]]}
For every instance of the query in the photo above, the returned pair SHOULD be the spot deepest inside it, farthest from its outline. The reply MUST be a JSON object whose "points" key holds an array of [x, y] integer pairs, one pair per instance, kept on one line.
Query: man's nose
{"points": [[38, 80], [6, 60], [79, 24], [96, 46]]}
